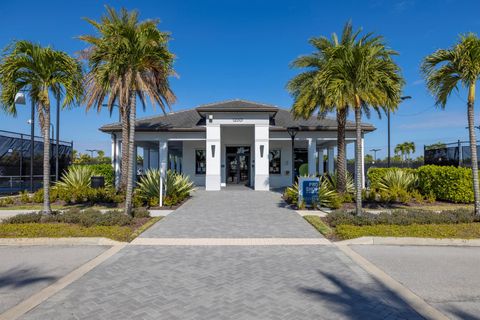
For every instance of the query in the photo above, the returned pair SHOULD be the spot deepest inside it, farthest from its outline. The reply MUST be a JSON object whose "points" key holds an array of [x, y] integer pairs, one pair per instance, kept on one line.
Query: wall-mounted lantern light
{"points": [[210, 117], [213, 151], [262, 147]]}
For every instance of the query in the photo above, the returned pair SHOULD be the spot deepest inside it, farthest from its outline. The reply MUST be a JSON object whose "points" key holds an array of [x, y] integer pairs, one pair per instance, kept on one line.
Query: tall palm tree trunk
{"points": [[358, 156], [341, 157], [125, 143], [473, 147], [46, 161], [131, 147]]}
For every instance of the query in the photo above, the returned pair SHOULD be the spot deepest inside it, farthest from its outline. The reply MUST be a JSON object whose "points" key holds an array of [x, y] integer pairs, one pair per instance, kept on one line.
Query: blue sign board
{"points": [[308, 190]]}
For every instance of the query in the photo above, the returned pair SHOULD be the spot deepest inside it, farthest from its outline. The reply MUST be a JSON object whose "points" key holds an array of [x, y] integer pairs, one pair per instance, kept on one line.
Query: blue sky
{"points": [[242, 49]]}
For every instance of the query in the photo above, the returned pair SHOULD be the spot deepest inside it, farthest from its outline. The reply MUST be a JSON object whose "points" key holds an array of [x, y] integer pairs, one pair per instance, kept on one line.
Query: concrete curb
{"points": [[39, 297], [230, 241], [80, 241], [414, 301], [409, 241]]}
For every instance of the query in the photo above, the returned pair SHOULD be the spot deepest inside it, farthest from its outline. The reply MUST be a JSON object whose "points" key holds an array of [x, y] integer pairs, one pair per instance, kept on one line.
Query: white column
{"points": [[321, 169], [262, 180], [331, 160], [162, 156], [212, 177], [116, 162], [146, 159], [312, 151]]}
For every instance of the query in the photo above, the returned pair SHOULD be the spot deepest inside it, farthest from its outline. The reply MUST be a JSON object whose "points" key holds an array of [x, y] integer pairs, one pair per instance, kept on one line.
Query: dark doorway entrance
{"points": [[238, 165]]}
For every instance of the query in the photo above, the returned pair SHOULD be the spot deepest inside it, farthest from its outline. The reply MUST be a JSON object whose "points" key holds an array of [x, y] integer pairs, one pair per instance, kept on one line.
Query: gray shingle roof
{"points": [[193, 119]]}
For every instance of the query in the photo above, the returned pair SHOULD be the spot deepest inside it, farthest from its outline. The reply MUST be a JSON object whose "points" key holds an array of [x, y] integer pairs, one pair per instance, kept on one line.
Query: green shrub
{"points": [[461, 231], [25, 197], [6, 201], [402, 217], [177, 187], [332, 182], [105, 170], [376, 174], [86, 218], [24, 218], [446, 183], [38, 195], [303, 170], [141, 213]]}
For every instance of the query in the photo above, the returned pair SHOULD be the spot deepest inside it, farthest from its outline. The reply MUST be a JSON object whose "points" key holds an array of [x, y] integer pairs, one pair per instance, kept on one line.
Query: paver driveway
{"points": [[234, 213], [267, 282]]}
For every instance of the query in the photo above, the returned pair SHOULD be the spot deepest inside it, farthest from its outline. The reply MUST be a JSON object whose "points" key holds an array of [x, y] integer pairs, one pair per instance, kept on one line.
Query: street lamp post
{"points": [[20, 99], [388, 118], [58, 138], [375, 154], [292, 131]]}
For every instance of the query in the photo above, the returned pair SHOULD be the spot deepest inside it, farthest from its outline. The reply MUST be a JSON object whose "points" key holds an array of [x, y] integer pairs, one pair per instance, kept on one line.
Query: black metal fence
{"points": [[449, 154], [15, 160]]}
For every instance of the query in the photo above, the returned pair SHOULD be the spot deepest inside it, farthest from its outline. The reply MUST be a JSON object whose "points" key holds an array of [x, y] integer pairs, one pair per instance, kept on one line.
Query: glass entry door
{"points": [[238, 165]]}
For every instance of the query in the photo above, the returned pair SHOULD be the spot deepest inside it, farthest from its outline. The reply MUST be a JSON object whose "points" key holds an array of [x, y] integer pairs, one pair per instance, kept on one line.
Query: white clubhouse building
{"points": [[234, 142]]}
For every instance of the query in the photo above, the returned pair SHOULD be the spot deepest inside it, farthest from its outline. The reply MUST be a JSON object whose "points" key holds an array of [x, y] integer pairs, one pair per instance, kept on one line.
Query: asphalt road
{"points": [[25, 270], [448, 278]]}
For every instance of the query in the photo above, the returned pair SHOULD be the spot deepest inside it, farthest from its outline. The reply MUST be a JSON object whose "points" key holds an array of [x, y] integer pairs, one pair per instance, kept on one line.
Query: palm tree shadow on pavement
{"points": [[371, 301], [18, 278]]}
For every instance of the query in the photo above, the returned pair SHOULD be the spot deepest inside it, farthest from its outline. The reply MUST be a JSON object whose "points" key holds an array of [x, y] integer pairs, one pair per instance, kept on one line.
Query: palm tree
{"points": [[128, 59], [447, 69], [41, 71], [405, 149], [309, 95], [363, 75]]}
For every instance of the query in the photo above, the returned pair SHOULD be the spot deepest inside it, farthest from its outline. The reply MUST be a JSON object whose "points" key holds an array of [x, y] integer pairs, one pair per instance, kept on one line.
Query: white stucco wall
{"points": [[283, 179], [188, 161]]}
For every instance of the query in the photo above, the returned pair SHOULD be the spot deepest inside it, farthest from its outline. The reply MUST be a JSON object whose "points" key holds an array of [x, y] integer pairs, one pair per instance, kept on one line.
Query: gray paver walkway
{"points": [[445, 277], [301, 282], [233, 214], [25, 270]]}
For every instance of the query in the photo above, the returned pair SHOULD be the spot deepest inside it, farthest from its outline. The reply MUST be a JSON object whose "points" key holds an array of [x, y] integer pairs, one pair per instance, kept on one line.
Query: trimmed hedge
{"points": [[402, 217], [439, 231], [446, 183]]}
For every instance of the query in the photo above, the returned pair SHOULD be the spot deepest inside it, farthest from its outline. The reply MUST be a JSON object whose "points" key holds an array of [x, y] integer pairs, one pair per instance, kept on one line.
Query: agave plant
{"points": [[76, 178], [176, 185], [332, 182], [397, 179]]}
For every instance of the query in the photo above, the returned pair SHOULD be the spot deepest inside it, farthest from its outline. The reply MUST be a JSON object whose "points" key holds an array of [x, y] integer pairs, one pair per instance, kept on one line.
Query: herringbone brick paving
{"points": [[227, 282], [301, 282]]}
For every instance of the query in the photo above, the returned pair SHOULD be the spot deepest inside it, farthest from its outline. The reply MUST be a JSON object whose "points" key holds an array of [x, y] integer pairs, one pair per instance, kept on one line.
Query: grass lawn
{"points": [[65, 230], [344, 231]]}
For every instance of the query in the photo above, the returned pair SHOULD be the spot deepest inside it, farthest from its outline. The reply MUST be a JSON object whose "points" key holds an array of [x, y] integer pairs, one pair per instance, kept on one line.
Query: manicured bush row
{"points": [[402, 217], [445, 183], [460, 231], [86, 218]]}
